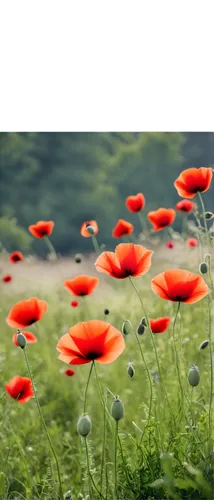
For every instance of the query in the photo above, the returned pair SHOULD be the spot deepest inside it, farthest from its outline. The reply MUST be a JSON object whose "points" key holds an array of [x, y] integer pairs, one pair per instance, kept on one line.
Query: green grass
{"points": [[170, 456]]}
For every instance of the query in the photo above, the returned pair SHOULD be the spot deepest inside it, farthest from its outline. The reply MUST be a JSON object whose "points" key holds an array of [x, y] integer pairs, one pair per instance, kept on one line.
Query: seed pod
{"points": [[117, 409], [131, 370], [126, 327], [204, 344], [106, 312], [21, 339], [90, 229], [203, 268], [143, 321], [84, 425], [140, 329], [194, 376], [209, 215]]}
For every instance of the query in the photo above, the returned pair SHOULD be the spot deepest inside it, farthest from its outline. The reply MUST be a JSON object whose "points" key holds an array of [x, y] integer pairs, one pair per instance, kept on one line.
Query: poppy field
{"points": [[107, 369]]}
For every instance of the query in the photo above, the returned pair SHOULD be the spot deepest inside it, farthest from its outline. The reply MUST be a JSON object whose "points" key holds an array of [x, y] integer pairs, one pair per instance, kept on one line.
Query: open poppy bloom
{"points": [[26, 312], [122, 228], [81, 285], [127, 260], [192, 242], [41, 228], [159, 325], [16, 257], [179, 285], [185, 206], [69, 372], [135, 203], [74, 303], [193, 180], [30, 337], [161, 218], [20, 388], [170, 244], [83, 229], [7, 278], [89, 341]]}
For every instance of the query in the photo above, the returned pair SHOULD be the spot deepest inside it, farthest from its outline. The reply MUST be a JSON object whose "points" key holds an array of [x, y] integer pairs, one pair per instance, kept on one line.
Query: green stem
{"points": [[211, 368], [150, 383], [101, 397], [86, 389], [50, 247], [175, 349], [203, 214], [44, 425], [115, 459], [88, 468], [142, 222], [96, 244]]}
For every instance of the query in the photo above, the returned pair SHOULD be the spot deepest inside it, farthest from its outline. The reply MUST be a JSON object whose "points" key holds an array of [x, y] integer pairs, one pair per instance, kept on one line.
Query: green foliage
{"points": [[13, 236]]}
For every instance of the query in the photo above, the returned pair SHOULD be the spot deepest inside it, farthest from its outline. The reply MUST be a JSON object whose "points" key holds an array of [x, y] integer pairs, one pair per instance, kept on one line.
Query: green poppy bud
{"points": [[117, 409], [21, 339], [194, 376], [143, 321], [106, 312], [78, 258], [84, 425], [126, 327], [203, 268], [209, 215], [131, 370], [140, 329], [204, 344], [90, 229]]}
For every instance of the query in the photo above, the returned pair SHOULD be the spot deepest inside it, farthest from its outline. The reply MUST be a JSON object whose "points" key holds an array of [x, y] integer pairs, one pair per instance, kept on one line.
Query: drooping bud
{"points": [[207, 258], [106, 312], [131, 370], [90, 229], [78, 258], [203, 268], [194, 376], [21, 339], [143, 321], [117, 409], [126, 327], [204, 344], [209, 215], [84, 425], [140, 329]]}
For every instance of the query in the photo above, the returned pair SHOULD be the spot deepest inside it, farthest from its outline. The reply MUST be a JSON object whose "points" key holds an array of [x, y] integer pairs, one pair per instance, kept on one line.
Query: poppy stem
{"points": [[96, 244], [203, 214], [44, 425], [86, 389], [150, 383], [211, 368], [115, 459], [175, 350], [51, 248]]}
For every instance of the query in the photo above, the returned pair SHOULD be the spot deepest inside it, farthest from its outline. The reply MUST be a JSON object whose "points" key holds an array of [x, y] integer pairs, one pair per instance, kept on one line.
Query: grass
{"points": [[169, 455]]}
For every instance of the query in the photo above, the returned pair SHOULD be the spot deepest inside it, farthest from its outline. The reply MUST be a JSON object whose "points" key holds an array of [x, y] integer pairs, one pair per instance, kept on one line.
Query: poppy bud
{"points": [[21, 339], [143, 321], [84, 425], [130, 370], [204, 344], [209, 215], [68, 495], [78, 258], [207, 257], [194, 376], [141, 329], [126, 327], [90, 229], [106, 312], [117, 409], [203, 268]]}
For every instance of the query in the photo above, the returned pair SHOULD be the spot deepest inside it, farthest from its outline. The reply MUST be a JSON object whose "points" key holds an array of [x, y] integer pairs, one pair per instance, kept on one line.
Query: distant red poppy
{"points": [[74, 303], [128, 260], [30, 337], [170, 244], [122, 228], [186, 206], [179, 285], [16, 257], [89, 341], [7, 278], [135, 203], [159, 325], [193, 180], [20, 388], [83, 229], [69, 372], [192, 242], [41, 228], [26, 312], [81, 285], [161, 218]]}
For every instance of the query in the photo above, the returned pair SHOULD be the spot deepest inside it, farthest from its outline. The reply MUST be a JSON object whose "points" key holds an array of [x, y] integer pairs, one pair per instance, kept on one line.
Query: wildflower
{"points": [[117, 409], [16, 257], [179, 285], [159, 325], [91, 340], [30, 337], [20, 388], [26, 312], [84, 228], [192, 242], [7, 278], [127, 260], [185, 206], [194, 376], [170, 244], [81, 285], [41, 228], [69, 372], [161, 218], [193, 180], [122, 228], [135, 203], [84, 425], [74, 303]]}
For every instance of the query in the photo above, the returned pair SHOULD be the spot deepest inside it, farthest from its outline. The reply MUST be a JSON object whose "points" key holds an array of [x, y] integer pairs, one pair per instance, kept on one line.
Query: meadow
{"points": [[148, 432]]}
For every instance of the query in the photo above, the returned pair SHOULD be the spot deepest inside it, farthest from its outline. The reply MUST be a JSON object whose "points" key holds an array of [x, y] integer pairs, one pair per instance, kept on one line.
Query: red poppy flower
{"points": [[16, 257], [7, 278], [179, 285], [81, 285], [135, 203], [41, 228], [26, 312], [192, 180], [192, 242], [20, 388], [69, 372], [122, 228], [128, 260], [30, 337], [83, 229], [74, 303], [169, 244], [161, 218], [91, 340], [159, 325], [186, 206]]}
